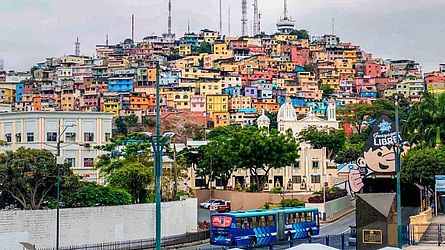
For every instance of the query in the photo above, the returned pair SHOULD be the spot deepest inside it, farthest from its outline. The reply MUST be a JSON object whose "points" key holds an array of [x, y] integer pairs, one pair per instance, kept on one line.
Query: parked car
{"points": [[220, 206], [208, 203], [352, 240]]}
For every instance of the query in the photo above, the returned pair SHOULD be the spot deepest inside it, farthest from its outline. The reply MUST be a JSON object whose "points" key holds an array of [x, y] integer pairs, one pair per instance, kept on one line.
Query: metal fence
{"points": [[337, 241], [433, 234], [140, 244]]}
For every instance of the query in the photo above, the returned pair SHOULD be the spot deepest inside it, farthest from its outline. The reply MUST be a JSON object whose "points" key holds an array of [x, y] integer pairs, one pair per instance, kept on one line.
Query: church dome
{"points": [[287, 112], [263, 119]]}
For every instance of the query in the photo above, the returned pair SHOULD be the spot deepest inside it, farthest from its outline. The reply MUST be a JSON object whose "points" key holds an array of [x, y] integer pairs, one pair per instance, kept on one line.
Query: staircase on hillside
{"points": [[432, 233]]}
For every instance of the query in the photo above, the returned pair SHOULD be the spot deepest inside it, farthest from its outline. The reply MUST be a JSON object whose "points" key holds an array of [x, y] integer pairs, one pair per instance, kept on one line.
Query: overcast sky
{"points": [[31, 30]]}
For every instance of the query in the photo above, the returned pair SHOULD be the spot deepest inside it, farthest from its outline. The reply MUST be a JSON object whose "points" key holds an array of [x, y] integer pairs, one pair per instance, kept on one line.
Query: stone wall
{"points": [[95, 225], [419, 223], [247, 200], [333, 207]]}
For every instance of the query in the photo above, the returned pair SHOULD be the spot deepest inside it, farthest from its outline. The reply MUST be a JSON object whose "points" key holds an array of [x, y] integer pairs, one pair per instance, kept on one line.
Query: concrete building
{"points": [[40, 130]]}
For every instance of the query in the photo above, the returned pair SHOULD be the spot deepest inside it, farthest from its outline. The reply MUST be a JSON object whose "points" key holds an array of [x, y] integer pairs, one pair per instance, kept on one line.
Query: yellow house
{"points": [[210, 88], [229, 67], [112, 106], [436, 87], [286, 37], [240, 102], [185, 49], [220, 119], [331, 79], [181, 99], [287, 67], [345, 67], [220, 49], [217, 103]]}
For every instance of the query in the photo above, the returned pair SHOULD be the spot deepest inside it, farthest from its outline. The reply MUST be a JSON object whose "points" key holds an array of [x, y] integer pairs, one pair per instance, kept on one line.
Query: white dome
{"points": [[287, 112], [263, 119]]}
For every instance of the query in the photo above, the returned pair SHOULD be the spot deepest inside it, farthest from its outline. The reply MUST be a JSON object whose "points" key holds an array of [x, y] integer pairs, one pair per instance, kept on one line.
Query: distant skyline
{"points": [[31, 30]]}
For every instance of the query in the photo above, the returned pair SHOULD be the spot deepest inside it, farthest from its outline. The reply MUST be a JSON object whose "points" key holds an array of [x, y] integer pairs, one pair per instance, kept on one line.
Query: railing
{"points": [[140, 244]]}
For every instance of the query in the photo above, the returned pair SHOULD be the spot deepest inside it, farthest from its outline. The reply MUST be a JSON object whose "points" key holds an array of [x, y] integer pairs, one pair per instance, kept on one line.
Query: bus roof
{"points": [[261, 212]]}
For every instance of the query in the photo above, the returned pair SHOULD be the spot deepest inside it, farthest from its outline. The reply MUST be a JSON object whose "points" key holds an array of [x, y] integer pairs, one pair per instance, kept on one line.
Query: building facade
{"points": [[41, 130]]}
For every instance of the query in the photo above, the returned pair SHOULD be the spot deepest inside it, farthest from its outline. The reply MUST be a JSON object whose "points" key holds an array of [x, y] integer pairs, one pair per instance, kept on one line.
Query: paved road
{"points": [[338, 227], [335, 228]]}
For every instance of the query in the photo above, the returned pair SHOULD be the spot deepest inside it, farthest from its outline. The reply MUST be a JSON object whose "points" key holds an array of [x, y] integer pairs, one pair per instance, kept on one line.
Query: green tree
{"points": [[134, 178], [259, 152], [273, 119], [426, 121], [29, 176], [131, 121], [301, 34], [88, 194], [205, 47], [327, 90], [120, 126], [333, 139], [420, 165]]}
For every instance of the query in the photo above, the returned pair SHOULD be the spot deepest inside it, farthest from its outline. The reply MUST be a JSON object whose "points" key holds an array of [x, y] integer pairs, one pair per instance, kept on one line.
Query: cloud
{"points": [[32, 30]]}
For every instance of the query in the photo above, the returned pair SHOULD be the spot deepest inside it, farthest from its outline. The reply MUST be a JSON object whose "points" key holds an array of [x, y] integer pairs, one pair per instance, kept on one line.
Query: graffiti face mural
{"points": [[378, 154]]}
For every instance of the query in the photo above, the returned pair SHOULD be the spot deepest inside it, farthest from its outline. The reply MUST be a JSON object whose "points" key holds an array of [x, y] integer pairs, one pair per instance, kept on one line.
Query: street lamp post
{"points": [[158, 142], [59, 141], [397, 151]]}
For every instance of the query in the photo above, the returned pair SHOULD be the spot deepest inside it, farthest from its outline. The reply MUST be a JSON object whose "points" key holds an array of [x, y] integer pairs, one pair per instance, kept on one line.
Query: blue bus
{"points": [[263, 227]]}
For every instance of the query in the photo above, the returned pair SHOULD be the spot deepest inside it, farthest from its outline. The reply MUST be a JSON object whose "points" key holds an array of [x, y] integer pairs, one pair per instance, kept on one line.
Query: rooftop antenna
{"points": [[256, 18], [333, 26], [188, 26], [106, 40], [132, 28], [285, 9], [220, 17], [77, 51], [244, 17], [169, 17], [229, 21]]}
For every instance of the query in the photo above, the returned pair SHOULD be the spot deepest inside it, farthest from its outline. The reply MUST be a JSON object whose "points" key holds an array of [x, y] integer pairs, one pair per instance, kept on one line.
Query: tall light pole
{"points": [[59, 141], [397, 151], [158, 142]]}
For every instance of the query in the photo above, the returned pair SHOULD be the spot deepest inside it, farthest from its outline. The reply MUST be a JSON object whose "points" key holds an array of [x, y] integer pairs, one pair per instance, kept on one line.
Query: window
{"points": [[107, 137], [71, 161], [270, 221], [51, 136], [262, 221], [70, 137], [315, 164], [315, 179], [296, 179], [253, 222], [296, 164], [88, 162], [88, 137], [8, 137], [18, 137], [30, 137]]}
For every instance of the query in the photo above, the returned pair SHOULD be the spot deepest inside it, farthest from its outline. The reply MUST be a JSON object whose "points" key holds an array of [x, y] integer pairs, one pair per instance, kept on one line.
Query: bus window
{"points": [[308, 217], [290, 219], [262, 221], [245, 223], [300, 218], [239, 222], [253, 221], [270, 221]]}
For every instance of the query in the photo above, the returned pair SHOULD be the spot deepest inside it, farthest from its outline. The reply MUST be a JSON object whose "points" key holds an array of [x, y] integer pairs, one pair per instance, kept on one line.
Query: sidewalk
{"points": [[424, 247]]}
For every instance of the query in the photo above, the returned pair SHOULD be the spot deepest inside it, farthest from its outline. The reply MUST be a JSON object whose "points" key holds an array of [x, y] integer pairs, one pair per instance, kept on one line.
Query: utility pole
{"points": [[398, 149], [229, 22], [169, 17], [132, 27], [175, 173], [158, 161]]}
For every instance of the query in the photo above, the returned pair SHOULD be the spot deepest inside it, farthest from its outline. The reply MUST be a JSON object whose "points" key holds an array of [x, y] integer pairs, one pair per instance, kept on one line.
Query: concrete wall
{"points": [[420, 223], [333, 207], [96, 224], [247, 200]]}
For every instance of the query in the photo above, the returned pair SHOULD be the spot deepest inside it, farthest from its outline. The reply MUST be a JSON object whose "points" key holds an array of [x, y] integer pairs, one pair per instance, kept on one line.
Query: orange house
{"points": [[37, 103], [142, 102]]}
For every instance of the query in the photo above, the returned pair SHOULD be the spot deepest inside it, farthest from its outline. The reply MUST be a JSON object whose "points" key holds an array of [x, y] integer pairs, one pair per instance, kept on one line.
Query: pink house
{"points": [[198, 104], [373, 69], [299, 56]]}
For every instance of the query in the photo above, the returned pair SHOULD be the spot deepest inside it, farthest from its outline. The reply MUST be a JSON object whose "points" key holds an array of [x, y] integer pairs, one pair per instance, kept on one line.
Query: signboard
{"points": [[440, 183], [371, 236]]}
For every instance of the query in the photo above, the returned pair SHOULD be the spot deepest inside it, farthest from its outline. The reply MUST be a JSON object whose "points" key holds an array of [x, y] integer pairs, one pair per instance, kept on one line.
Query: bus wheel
{"points": [[252, 242], [309, 232]]}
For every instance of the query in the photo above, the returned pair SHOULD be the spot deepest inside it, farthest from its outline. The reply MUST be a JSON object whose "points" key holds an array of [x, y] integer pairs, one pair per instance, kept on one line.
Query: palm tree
{"points": [[426, 121]]}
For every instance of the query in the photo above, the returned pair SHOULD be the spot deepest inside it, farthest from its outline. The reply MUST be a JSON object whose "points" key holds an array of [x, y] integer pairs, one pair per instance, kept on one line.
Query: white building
{"points": [[40, 130], [287, 118]]}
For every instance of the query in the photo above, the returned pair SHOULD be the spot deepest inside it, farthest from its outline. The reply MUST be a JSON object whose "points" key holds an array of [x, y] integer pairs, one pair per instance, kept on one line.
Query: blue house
{"points": [[232, 91], [168, 78], [121, 84], [19, 91]]}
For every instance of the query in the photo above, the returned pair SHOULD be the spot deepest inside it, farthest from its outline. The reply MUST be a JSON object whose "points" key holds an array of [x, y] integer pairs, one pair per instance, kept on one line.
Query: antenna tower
{"points": [[256, 18], [244, 17], [77, 51], [169, 17]]}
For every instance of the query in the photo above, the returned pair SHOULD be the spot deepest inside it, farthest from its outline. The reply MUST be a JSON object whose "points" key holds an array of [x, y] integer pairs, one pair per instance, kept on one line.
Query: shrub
{"points": [[291, 203], [276, 190], [252, 187], [331, 194], [266, 205]]}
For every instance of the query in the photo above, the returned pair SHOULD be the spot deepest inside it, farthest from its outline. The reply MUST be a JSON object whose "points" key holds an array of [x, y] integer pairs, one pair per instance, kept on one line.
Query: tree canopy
{"points": [[134, 178], [333, 139]]}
